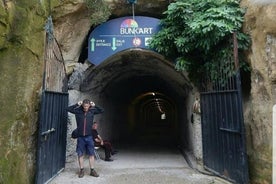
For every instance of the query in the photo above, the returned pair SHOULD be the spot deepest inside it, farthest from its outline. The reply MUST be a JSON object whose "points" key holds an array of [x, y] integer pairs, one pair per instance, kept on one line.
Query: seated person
{"points": [[99, 142]]}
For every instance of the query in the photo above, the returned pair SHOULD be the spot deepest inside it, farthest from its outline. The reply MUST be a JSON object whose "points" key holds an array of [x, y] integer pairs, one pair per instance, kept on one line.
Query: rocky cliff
{"points": [[260, 23], [21, 69]]}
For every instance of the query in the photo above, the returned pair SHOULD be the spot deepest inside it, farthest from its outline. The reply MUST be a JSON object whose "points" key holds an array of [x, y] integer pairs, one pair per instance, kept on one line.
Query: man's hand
{"points": [[80, 103], [97, 140], [92, 104]]}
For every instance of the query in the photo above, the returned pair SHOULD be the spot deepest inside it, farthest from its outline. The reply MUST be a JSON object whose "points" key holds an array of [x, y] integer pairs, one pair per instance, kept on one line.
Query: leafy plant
{"points": [[198, 36]]}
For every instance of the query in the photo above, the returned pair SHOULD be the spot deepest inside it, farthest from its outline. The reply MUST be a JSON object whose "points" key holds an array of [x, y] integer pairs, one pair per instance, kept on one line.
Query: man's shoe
{"points": [[81, 173], [108, 160], [93, 173]]}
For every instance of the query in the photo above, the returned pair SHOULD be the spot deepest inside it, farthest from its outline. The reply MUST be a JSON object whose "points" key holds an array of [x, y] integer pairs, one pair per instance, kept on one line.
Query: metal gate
{"points": [[223, 132], [52, 135], [51, 151]]}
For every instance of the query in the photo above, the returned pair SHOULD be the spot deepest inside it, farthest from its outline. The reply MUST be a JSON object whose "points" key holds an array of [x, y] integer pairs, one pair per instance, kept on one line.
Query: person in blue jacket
{"points": [[84, 113]]}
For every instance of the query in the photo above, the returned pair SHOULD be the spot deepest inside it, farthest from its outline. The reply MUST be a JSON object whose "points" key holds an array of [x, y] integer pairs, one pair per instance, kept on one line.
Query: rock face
{"points": [[260, 23], [21, 68]]}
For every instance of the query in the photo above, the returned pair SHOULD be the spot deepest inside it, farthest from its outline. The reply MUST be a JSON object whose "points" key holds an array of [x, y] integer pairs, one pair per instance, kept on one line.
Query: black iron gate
{"points": [[52, 135], [223, 132]]}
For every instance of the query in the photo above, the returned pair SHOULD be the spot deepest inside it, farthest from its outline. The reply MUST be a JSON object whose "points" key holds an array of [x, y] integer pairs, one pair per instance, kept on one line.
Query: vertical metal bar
{"points": [[37, 177], [238, 86], [220, 76]]}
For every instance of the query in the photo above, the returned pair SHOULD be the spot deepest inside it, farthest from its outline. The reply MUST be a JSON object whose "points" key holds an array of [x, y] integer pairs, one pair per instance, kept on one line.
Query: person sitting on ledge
{"points": [[99, 142]]}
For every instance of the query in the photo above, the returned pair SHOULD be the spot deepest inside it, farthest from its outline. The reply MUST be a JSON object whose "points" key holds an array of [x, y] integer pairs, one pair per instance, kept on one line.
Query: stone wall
{"points": [[260, 23]]}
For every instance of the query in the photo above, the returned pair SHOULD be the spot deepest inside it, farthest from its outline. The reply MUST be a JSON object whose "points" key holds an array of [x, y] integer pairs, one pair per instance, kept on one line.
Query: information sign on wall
{"points": [[120, 34]]}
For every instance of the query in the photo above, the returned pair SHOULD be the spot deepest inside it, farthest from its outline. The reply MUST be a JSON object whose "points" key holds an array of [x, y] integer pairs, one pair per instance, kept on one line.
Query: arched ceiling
{"points": [[134, 66], [125, 83]]}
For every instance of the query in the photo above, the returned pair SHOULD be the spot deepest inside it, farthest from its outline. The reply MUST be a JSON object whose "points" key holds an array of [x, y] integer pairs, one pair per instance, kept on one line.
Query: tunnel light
{"points": [[163, 116]]}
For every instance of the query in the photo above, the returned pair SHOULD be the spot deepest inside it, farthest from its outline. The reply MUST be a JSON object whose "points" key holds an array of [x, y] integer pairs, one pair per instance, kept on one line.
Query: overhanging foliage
{"points": [[197, 35]]}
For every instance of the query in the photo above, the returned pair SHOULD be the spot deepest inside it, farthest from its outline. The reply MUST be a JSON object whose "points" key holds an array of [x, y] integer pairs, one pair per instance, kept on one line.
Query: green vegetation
{"points": [[198, 36], [99, 11]]}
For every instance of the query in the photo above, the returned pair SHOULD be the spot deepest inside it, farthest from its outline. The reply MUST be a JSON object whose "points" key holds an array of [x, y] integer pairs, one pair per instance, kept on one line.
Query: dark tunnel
{"points": [[144, 98]]}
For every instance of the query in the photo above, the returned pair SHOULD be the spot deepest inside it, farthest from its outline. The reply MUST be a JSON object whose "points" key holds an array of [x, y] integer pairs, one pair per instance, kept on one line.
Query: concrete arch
{"points": [[124, 83]]}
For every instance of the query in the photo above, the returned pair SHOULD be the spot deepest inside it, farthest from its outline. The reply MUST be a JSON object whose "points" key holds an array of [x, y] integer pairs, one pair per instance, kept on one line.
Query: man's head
{"points": [[86, 105]]}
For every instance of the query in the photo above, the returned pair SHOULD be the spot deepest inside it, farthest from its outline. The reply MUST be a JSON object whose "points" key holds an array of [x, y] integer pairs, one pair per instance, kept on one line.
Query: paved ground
{"points": [[136, 166]]}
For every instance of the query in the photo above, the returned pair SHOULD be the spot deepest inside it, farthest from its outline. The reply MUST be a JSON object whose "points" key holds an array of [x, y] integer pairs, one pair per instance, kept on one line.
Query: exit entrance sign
{"points": [[120, 34]]}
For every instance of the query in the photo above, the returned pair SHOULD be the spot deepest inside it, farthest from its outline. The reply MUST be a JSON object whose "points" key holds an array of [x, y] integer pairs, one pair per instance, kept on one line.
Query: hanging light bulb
{"points": [[163, 116]]}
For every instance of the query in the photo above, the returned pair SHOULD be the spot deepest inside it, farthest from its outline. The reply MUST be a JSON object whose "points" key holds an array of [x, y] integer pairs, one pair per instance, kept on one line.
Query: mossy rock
{"points": [[21, 67]]}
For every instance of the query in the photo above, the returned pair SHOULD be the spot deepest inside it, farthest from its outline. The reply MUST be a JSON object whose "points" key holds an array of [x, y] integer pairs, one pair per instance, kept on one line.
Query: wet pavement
{"points": [[138, 166]]}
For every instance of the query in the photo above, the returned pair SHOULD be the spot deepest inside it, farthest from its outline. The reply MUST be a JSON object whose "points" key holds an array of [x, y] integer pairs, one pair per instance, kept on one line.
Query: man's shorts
{"points": [[85, 145]]}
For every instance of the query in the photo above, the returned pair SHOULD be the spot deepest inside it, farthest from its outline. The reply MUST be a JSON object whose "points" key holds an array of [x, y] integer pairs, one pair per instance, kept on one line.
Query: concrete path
{"points": [[137, 166]]}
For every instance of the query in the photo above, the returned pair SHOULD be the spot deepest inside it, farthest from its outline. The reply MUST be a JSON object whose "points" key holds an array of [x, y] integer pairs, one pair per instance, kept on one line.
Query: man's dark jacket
{"points": [[84, 119]]}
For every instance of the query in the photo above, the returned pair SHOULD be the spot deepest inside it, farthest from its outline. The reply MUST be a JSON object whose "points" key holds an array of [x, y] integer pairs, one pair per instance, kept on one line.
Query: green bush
{"points": [[198, 36]]}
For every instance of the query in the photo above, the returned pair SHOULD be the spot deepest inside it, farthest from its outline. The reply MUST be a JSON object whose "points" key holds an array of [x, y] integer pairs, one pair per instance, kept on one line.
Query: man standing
{"points": [[84, 113]]}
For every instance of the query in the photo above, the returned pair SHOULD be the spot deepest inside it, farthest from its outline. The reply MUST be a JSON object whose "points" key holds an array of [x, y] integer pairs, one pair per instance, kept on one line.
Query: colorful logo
{"points": [[136, 42], [129, 23]]}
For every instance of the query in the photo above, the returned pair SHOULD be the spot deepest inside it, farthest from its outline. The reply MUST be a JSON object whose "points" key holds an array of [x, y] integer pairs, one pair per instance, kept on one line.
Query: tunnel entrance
{"points": [[144, 98], [143, 95], [153, 118]]}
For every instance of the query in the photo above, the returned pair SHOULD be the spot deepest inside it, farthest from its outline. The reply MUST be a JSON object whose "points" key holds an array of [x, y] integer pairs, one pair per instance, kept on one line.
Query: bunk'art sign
{"points": [[120, 34]]}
